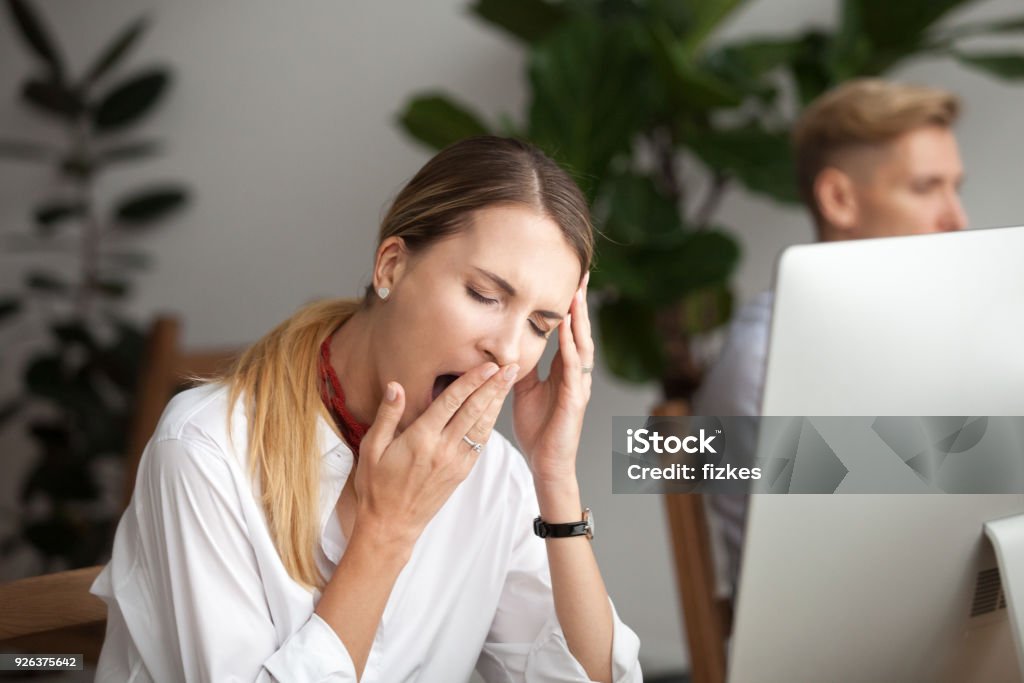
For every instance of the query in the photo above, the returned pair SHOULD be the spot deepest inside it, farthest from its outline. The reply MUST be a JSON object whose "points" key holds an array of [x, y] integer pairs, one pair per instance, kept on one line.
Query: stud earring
{"points": [[383, 293]]}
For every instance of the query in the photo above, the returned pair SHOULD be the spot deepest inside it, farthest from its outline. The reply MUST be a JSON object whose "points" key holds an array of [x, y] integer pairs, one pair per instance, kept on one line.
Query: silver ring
{"points": [[587, 369], [473, 444]]}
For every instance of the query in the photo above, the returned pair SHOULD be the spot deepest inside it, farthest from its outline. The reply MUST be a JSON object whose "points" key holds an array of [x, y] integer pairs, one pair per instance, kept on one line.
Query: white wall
{"points": [[282, 120]]}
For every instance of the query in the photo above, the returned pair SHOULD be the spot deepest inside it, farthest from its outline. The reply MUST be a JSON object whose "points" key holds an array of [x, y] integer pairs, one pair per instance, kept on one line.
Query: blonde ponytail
{"points": [[278, 378]]}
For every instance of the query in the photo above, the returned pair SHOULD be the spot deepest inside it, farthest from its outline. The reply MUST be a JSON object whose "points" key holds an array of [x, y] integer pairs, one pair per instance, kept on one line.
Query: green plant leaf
{"points": [[527, 20], [44, 282], [813, 65], [36, 36], [747, 61], [705, 18], [9, 410], [630, 347], [25, 150], [691, 86], [117, 49], [44, 376], [437, 121], [1009, 67], [115, 289], [1001, 26], [588, 92], [761, 160], [53, 98], [128, 102], [666, 268], [9, 306], [899, 26], [150, 205], [73, 332], [706, 308], [633, 210], [49, 215]]}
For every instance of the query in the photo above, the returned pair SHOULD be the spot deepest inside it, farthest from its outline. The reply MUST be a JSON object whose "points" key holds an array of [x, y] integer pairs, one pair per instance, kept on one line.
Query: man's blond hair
{"points": [[860, 113]]}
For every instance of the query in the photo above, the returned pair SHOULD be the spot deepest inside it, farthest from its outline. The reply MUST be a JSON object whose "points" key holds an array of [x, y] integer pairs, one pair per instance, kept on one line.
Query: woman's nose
{"points": [[502, 344]]}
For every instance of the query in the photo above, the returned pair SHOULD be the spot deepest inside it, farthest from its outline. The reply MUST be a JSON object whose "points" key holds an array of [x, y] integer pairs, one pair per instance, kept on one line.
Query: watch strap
{"points": [[566, 530]]}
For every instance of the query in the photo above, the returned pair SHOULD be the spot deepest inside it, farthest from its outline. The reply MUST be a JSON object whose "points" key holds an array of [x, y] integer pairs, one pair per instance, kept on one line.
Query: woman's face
{"points": [[494, 291]]}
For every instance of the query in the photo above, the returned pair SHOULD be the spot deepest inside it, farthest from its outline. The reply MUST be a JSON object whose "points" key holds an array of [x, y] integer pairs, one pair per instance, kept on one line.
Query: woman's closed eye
{"points": [[487, 301], [480, 297]]}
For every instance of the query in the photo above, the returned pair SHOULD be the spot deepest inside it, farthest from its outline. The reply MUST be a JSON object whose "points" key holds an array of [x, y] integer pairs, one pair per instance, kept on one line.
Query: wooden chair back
{"points": [[707, 618]]}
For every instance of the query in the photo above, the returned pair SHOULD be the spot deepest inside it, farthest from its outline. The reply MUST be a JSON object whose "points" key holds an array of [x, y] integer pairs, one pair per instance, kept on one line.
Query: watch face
{"points": [[590, 523]]}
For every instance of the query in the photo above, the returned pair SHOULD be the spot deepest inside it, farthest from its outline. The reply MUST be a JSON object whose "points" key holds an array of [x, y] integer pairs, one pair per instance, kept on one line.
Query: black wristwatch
{"points": [[584, 527]]}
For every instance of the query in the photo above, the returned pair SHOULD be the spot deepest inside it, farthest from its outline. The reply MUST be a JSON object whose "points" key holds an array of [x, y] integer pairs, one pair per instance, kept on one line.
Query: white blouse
{"points": [[197, 592]]}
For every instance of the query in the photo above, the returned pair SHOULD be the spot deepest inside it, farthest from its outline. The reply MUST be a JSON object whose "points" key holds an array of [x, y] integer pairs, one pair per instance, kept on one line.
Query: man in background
{"points": [[873, 159]]}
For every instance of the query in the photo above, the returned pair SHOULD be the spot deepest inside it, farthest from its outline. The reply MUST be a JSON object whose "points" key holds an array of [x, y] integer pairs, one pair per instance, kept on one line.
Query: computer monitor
{"points": [[886, 587]]}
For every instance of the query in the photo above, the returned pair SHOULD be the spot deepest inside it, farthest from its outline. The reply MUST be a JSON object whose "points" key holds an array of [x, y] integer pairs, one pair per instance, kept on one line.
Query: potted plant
{"points": [[80, 387], [658, 121]]}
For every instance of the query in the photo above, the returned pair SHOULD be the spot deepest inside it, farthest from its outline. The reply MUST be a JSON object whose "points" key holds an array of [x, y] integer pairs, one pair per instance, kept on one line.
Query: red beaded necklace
{"points": [[334, 398]]}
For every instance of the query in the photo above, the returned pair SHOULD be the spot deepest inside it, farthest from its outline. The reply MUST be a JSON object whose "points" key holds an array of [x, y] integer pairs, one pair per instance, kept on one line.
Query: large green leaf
{"points": [[128, 102], [53, 98], [693, 21], [890, 25], [666, 268], [630, 346], [1009, 67], [50, 214], [749, 60], [44, 282], [116, 51], [36, 36], [632, 210], [71, 332], [1000, 26], [527, 20], [588, 96], [150, 205], [8, 410], [690, 84], [761, 160], [9, 306], [437, 121], [812, 65]]}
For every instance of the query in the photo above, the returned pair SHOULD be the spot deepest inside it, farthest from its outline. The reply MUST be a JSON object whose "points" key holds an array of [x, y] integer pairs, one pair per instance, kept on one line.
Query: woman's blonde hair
{"points": [[277, 377]]}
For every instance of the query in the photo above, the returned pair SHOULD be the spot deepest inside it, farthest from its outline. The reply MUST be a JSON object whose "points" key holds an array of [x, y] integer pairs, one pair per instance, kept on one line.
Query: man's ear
{"points": [[391, 264], [837, 202]]}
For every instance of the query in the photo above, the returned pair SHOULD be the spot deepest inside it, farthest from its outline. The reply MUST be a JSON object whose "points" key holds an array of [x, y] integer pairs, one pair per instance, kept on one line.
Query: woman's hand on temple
{"points": [[548, 414], [402, 480]]}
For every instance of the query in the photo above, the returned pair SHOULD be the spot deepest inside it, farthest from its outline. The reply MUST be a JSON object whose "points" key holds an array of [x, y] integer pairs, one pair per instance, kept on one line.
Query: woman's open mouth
{"points": [[442, 382]]}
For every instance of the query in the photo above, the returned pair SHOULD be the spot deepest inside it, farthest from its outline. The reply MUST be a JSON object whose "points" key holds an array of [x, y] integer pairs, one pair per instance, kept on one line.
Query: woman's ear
{"points": [[392, 259], [837, 201]]}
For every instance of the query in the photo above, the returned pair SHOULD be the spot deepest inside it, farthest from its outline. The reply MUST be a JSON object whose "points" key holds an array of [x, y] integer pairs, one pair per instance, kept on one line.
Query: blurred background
{"points": [[226, 162]]}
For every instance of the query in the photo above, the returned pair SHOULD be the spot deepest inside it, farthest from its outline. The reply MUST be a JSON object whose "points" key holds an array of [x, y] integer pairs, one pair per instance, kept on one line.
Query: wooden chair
{"points": [[707, 618], [55, 613]]}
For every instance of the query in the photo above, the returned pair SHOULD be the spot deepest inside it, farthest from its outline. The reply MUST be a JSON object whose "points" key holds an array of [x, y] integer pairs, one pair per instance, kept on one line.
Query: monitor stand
{"points": [[1007, 535]]}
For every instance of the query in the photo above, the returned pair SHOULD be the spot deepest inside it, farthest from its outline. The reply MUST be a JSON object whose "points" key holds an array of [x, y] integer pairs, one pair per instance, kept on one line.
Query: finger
{"points": [[476, 405], [571, 365], [440, 411], [481, 430], [382, 432], [582, 330]]}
